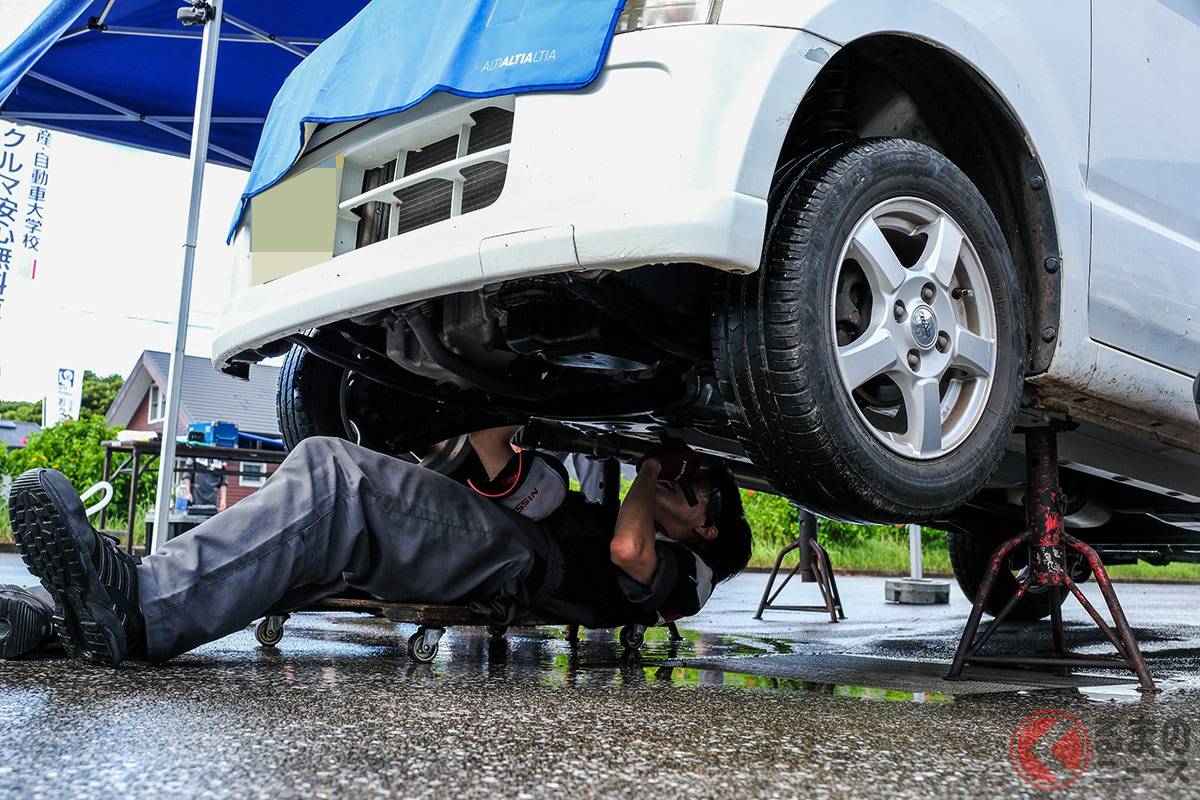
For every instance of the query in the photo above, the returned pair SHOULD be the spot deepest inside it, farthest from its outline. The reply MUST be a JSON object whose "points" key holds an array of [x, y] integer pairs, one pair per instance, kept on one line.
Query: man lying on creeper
{"points": [[336, 516]]}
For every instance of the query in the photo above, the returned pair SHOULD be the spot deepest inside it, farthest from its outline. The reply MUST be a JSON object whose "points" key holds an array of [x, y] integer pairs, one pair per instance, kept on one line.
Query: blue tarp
{"points": [[396, 52], [140, 58]]}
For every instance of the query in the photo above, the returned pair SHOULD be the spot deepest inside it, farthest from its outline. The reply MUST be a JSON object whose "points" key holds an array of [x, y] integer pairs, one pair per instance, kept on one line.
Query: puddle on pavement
{"points": [[1119, 693], [546, 654], [598, 658], [684, 677], [322, 649]]}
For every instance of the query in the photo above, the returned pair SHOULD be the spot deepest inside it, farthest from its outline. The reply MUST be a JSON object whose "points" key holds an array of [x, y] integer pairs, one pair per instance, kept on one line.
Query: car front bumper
{"points": [[666, 158]]}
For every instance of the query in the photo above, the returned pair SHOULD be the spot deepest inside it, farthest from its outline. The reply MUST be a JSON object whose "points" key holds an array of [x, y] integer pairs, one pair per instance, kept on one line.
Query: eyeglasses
{"points": [[711, 499], [712, 507]]}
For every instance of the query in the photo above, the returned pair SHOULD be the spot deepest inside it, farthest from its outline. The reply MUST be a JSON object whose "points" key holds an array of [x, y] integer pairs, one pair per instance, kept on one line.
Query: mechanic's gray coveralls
{"points": [[335, 515]]}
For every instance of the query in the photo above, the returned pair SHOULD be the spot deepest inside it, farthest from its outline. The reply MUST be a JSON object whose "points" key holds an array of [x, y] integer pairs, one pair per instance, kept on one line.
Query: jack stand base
{"points": [[1048, 543], [813, 567], [916, 591]]}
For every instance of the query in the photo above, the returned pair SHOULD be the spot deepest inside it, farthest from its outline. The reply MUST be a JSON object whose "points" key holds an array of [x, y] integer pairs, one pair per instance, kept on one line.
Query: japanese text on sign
{"points": [[64, 398], [22, 210]]}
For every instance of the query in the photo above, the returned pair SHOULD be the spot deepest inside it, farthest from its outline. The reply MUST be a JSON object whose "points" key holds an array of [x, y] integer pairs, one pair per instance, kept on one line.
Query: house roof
{"points": [[206, 395], [12, 434]]}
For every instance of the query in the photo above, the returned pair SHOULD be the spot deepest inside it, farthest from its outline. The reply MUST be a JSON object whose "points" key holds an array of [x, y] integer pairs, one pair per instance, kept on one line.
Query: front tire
{"points": [[308, 402], [877, 356]]}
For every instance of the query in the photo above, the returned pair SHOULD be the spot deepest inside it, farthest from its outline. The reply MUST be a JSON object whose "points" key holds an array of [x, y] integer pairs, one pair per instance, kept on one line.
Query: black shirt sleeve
{"points": [[681, 585]]}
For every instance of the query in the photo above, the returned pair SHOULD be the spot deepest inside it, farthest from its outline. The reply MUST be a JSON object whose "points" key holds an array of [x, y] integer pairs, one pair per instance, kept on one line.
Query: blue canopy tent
{"points": [[125, 71]]}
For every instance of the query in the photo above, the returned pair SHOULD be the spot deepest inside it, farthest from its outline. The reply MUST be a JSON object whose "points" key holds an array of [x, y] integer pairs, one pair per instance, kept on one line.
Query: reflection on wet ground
{"points": [[789, 706], [549, 656]]}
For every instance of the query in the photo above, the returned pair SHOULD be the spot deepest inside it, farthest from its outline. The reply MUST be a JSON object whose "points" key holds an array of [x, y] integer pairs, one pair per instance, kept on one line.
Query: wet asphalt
{"points": [[789, 706]]}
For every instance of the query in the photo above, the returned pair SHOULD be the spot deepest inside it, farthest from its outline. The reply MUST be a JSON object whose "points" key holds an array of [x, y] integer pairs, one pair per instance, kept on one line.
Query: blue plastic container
{"points": [[219, 434]]}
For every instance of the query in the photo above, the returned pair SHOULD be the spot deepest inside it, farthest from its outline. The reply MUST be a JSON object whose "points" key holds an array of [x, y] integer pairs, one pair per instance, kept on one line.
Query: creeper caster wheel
{"points": [[423, 645], [633, 636], [270, 630]]}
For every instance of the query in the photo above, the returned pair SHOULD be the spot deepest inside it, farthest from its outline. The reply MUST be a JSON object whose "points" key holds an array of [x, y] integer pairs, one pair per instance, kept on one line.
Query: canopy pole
{"points": [[200, 125]]}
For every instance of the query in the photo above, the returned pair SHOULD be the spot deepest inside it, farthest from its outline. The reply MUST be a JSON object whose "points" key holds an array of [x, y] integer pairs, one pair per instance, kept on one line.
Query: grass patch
{"points": [[886, 553], [1141, 571]]}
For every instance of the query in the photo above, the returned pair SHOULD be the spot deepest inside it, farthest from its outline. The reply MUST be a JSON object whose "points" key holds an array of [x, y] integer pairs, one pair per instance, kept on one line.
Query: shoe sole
{"points": [[83, 617], [23, 628]]}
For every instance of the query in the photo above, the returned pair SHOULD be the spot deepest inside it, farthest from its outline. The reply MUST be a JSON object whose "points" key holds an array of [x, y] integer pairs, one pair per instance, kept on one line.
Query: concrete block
{"points": [[916, 591]]}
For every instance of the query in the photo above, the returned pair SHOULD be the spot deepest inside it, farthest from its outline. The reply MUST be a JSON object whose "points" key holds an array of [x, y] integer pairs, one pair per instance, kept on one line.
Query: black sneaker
{"points": [[25, 625], [93, 582]]}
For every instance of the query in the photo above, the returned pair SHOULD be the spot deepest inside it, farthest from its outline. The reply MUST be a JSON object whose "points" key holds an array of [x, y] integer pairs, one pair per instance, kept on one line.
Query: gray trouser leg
{"points": [[332, 512]]}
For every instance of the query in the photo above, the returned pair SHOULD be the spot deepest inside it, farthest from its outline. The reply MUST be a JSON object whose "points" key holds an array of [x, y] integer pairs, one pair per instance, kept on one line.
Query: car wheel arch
{"points": [[990, 145]]}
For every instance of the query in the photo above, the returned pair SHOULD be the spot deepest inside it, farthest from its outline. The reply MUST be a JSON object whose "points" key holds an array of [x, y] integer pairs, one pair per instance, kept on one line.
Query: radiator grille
{"points": [[424, 204], [434, 181], [483, 185]]}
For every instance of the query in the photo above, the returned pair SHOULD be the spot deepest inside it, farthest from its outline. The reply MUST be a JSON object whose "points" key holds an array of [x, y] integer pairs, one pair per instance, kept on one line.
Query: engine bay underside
{"points": [[624, 349]]}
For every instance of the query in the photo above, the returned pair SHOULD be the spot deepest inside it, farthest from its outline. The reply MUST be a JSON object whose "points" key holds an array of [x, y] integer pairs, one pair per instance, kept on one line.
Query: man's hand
{"points": [[677, 461]]}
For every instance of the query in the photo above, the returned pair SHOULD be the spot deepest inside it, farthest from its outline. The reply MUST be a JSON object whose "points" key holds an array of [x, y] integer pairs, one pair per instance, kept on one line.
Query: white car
{"points": [[852, 244]]}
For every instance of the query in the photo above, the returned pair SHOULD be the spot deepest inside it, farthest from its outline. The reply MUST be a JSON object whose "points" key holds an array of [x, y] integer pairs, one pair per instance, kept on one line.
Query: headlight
{"points": [[640, 14]]}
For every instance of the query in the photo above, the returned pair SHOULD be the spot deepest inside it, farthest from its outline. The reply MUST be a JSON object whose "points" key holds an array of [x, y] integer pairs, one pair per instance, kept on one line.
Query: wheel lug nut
{"points": [[943, 342], [927, 293], [914, 359], [898, 311]]}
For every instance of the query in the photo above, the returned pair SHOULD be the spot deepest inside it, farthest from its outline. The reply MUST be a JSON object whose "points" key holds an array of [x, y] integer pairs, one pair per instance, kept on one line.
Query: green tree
{"points": [[99, 393], [21, 410], [73, 447]]}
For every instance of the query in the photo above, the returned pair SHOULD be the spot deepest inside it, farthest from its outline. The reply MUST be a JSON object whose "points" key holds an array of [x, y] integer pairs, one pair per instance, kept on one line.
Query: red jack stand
{"points": [[1048, 542], [813, 567]]}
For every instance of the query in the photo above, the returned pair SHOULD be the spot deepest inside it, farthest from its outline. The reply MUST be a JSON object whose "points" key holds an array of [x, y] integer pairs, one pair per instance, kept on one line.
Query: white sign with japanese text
{"points": [[24, 183], [64, 398]]}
